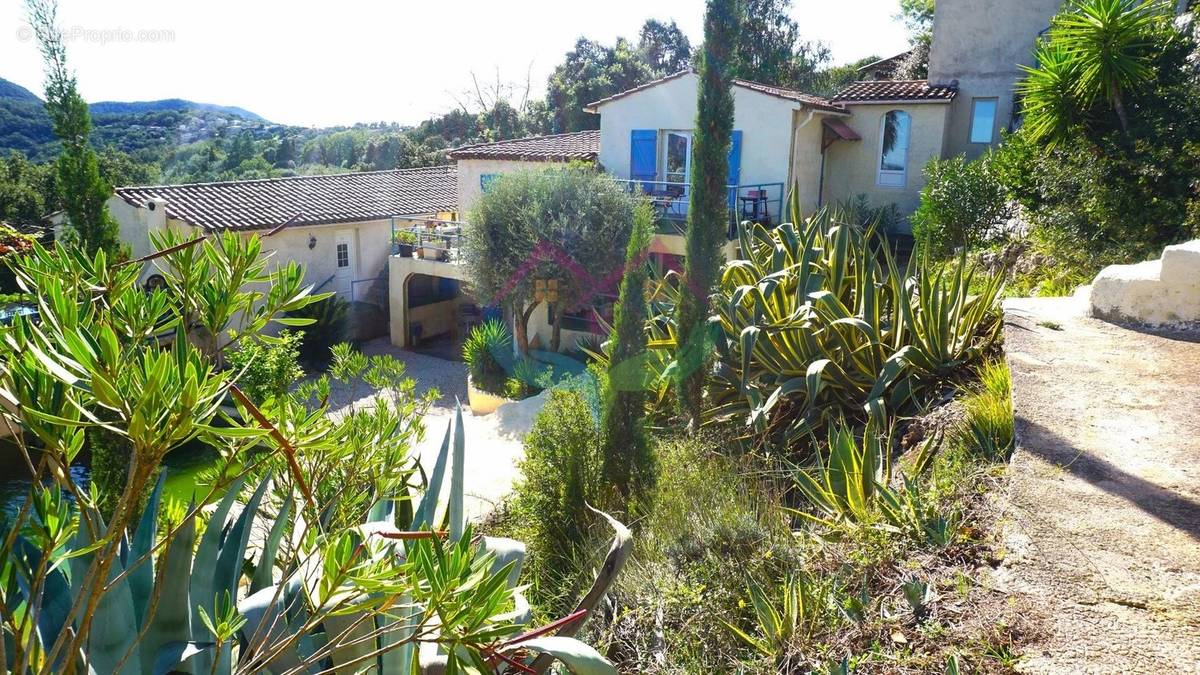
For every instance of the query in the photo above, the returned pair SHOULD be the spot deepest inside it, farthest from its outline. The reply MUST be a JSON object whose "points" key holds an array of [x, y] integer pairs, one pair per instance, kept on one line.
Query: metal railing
{"points": [[373, 291], [757, 202], [438, 240]]}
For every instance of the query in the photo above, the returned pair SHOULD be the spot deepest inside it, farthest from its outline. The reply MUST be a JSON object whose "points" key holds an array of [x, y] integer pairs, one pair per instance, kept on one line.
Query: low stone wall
{"points": [[1157, 292]]}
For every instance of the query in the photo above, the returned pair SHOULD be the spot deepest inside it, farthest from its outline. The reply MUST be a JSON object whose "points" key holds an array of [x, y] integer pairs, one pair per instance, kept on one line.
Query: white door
{"points": [[346, 261]]}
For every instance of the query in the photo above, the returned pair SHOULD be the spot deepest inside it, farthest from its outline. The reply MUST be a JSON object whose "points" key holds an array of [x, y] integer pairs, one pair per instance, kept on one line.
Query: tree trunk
{"points": [[1119, 108], [556, 334], [522, 328]]}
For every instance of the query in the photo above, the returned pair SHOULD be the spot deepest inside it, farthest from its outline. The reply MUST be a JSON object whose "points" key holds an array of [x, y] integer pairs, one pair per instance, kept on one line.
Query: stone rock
{"points": [[1160, 292]]}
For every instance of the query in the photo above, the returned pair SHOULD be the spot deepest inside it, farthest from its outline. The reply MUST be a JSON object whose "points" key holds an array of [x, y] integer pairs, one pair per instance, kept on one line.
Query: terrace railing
{"points": [[757, 202], [440, 241]]}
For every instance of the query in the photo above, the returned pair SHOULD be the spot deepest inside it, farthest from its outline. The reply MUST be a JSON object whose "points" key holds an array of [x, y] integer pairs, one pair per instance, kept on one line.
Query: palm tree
{"points": [[1112, 46], [1048, 94]]}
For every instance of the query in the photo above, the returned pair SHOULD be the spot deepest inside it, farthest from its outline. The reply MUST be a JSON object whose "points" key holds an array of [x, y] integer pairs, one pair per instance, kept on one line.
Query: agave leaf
{"points": [[271, 614], [204, 586], [172, 618], [114, 625], [141, 577], [458, 516], [427, 507], [266, 562], [579, 657], [174, 654]]}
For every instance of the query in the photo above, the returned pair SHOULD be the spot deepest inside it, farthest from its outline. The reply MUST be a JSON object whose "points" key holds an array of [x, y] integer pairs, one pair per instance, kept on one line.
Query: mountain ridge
{"points": [[13, 91]]}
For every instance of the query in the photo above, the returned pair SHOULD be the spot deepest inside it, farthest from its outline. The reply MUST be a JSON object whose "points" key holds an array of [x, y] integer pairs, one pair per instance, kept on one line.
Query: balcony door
{"points": [[677, 157]]}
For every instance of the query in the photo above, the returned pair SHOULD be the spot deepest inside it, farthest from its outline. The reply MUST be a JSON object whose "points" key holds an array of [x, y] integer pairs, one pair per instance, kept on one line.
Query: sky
{"points": [[324, 64]]}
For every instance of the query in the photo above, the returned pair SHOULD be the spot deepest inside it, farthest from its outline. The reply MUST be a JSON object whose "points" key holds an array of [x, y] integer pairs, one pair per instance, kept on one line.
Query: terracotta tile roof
{"points": [[877, 91], [320, 200], [809, 100], [581, 145]]}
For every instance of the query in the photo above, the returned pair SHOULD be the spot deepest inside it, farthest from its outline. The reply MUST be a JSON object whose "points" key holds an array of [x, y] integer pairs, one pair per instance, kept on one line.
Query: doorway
{"points": [[345, 259]]}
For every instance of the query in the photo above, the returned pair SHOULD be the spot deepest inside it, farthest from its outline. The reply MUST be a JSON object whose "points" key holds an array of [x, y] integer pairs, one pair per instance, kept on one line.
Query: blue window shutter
{"points": [[643, 155], [735, 166], [485, 181], [735, 158]]}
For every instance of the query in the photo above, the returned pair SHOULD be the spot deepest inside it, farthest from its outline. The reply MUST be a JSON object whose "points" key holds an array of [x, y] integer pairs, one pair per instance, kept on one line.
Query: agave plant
{"points": [[819, 322], [380, 598]]}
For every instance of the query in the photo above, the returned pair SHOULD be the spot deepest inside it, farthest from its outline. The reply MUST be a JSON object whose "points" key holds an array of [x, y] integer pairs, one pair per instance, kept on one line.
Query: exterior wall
{"points": [[851, 167], [805, 171], [136, 222], [372, 244], [981, 44], [765, 122], [471, 170]]}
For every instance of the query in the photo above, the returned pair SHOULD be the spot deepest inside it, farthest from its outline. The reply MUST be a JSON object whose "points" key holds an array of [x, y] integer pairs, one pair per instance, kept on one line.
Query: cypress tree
{"points": [[628, 463], [708, 208], [84, 192]]}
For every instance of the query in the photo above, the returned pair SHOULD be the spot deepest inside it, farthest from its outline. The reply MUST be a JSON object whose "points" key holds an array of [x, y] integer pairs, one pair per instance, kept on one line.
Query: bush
{"points": [[271, 365], [561, 472], [962, 205], [488, 353], [331, 327]]}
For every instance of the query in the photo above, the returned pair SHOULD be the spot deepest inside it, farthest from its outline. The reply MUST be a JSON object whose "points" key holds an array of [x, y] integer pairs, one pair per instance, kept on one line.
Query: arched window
{"points": [[893, 151]]}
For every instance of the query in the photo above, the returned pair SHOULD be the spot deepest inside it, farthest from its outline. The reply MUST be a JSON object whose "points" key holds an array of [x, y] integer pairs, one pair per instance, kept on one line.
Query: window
{"points": [[677, 160], [983, 120], [894, 131], [485, 181], [343, 255]]}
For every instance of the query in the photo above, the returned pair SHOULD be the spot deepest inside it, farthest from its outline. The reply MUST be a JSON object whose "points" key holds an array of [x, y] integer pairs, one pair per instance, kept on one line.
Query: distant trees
{"points": [[27, 190], [664, 47], [84, 191], [591, 72], [918, 17], [708, 207]]}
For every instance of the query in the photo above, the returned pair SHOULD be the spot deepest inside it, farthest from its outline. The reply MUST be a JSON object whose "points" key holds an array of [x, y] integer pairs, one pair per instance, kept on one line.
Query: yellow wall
{"points": [[851, 167]]}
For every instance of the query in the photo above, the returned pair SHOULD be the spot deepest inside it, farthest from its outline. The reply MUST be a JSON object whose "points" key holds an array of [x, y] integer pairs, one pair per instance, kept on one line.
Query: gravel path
{"points": [[1104, 503], [494, 443]]}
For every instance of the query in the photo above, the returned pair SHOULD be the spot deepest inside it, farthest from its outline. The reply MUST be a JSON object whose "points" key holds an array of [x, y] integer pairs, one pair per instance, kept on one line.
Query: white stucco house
{"points": [[342, 232]]}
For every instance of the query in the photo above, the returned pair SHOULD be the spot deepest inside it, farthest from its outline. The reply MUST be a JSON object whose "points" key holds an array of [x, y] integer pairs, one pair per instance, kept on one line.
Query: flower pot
{"points": [[482, 403], [406, 250]]}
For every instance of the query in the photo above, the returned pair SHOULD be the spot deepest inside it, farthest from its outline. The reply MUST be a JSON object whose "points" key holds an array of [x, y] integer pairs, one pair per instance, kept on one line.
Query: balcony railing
{"points": [[757, 202], [437, 240]]}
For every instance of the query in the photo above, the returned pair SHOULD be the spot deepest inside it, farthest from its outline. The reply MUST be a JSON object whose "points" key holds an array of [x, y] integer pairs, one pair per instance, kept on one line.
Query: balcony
{"points": [[756, 202], [434, 240]]}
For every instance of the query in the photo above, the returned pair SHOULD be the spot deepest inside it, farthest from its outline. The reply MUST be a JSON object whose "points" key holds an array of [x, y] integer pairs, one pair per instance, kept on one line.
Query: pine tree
{"points": [[708, 208], [628, 463], [84, 192]]}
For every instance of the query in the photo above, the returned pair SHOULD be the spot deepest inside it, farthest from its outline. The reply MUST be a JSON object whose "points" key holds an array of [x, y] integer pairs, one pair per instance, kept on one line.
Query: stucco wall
{"points": [[765, 122], [372, 241], [471, 170], [399, 270], [981, 43], [851, 167]]}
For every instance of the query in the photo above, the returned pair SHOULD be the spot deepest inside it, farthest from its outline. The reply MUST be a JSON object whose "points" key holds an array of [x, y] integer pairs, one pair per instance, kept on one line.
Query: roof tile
{"points": [[579, 145], [319, 200], [895, 90]]}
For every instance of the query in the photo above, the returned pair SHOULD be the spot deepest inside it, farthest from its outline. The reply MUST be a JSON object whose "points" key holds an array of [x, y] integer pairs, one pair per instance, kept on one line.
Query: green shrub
{"points": [[561, 474], [487, 352], [963, 204], [330, 328], [988, 426], [271, 365]]}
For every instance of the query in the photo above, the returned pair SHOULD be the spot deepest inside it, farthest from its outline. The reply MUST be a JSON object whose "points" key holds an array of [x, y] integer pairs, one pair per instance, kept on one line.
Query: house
{"points": [[872, 139], [342, 224]]}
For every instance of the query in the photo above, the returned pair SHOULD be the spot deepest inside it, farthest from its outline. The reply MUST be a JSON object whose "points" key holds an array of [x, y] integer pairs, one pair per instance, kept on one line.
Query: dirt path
{"points": [[1103, 526]]}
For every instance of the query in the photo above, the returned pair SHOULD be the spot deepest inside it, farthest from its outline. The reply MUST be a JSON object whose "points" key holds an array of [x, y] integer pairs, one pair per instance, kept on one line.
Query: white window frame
{"points": [[886, 178], [974, 111], [665, 134]]}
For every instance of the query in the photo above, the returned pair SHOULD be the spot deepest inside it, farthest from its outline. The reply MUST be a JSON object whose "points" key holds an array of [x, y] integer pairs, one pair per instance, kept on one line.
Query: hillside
{"points": [[129, 126]]}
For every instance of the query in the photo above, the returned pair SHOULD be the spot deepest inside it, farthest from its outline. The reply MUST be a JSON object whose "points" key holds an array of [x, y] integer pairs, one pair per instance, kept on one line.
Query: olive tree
{"points": [[560, 230]]}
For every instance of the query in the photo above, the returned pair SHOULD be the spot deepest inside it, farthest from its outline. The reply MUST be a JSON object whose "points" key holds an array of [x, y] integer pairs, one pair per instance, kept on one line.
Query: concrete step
{"points": [[1158, 292]]}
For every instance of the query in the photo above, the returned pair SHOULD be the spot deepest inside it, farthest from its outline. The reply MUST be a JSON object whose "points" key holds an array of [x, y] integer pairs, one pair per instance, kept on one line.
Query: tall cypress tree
{"points": [[84, 192], [628, 462], [708, 209]]}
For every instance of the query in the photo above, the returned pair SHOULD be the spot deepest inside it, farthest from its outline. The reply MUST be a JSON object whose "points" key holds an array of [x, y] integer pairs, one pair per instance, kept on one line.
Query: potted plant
{"points": [[487, 350], [406, 241]]}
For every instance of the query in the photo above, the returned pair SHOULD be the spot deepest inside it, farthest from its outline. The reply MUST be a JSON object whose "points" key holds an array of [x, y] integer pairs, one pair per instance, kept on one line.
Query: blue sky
{"points": [[359, 61]]}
